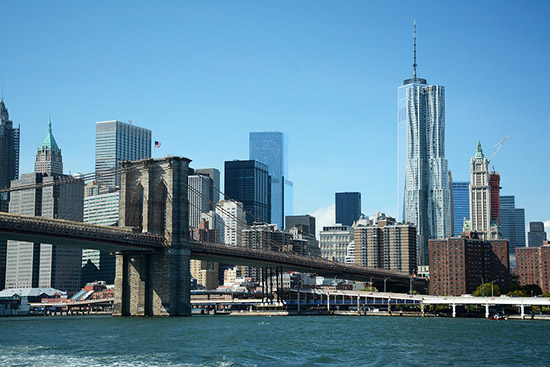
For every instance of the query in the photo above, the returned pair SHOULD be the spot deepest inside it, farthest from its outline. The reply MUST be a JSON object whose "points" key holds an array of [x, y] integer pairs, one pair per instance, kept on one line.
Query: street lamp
{"points": [[482, 287], [385, 284], [492, 287]]}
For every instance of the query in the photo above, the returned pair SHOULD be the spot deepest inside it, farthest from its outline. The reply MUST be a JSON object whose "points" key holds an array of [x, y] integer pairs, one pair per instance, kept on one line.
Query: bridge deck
{"points": [[116, 239]]}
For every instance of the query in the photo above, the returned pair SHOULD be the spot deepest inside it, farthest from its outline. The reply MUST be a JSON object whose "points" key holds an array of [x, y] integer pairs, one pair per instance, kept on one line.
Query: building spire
{"points": [[479, 152], [414, 52]]}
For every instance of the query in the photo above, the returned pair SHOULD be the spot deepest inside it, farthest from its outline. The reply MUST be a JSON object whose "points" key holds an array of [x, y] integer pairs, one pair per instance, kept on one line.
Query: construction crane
{"points": [[498, 146]]}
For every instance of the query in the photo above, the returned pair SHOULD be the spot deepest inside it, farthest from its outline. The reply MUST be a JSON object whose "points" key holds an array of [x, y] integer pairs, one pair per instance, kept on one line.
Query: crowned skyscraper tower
{"points": [[48, 156], [51, 195], [424, 197]]}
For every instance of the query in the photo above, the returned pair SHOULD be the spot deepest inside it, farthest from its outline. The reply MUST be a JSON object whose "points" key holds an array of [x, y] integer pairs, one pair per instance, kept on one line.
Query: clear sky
{"points": [[203, 74]]}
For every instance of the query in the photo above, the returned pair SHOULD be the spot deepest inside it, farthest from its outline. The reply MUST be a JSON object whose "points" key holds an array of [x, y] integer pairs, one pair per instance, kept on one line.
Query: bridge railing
{"points": [[297, 259], [77, 230]]}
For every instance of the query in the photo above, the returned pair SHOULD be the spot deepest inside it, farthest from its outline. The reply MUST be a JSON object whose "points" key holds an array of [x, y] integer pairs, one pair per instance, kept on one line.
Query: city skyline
{"points": [[344, 81]]}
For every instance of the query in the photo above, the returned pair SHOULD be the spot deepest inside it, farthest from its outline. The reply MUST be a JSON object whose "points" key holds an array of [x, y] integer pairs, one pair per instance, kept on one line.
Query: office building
{"points": [[271, 148], [494, 185], [233, 218], [536, 235], [533, 266], [117, 141], [214, 174], [334, 241], [512, 222], [306, 223], [481, 208], [459, 265], [101, 206], [200, 196], [9, 170], [461, 205], [423, 181], [9, 157], [348, 207], [31, 265], [249, 183]]}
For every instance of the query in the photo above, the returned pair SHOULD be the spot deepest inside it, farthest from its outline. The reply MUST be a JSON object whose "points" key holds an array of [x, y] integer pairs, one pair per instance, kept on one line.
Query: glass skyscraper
{"points": [[348, 207], [461, 205], [271, 148], [512, 222], [421, 131], [249, 182], [117, 141]]}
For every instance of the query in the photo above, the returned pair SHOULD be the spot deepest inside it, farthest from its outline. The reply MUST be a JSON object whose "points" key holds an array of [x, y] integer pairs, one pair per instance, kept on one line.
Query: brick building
{"points": [[533, 266], [459, 265]]}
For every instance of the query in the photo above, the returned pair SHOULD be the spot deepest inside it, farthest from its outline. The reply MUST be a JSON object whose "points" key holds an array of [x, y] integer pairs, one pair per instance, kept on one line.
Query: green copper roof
{"points": [[479, 152], [49, 141]]}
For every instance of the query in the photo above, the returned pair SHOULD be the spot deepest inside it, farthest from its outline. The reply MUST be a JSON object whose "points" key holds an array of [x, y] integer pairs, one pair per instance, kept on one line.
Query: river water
{"points": [[272, 341]]}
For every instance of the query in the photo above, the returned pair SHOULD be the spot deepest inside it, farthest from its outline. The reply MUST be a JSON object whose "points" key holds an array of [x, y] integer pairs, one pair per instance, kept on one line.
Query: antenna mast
{"points": [[414, 55]]}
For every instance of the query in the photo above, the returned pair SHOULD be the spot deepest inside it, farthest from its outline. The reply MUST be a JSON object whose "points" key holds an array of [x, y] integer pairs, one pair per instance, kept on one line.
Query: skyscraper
{"points": [[536, 234], [45, 265], [101, 206], [422, 167], [214, 174], [480, 195], [117, 141], [512, 221], [9, 170], [233, 217], [249, 182], [494, 184], [461, 205], [306, 223], [200, 197], [348, 207], [271, 148]]}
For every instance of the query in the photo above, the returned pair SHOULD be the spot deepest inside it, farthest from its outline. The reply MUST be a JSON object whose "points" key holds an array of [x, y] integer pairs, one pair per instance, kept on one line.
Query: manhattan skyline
{"points": [[325, 74]]}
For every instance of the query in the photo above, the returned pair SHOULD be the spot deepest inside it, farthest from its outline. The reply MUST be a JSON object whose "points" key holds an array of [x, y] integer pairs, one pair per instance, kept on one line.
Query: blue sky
{"points": [[203, 74]]}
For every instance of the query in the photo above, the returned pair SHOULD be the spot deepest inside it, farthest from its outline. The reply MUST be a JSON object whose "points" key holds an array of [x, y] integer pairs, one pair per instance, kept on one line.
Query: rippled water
{"points": [[272, 341]]}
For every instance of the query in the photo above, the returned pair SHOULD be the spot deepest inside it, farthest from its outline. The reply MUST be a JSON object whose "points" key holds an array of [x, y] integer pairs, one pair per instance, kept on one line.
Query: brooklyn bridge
{"points": [[153, 249]]}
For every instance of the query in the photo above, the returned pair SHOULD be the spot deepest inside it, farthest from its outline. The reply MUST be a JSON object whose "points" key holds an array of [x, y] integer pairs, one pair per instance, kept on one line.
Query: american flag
{"points": [[157, 144]]}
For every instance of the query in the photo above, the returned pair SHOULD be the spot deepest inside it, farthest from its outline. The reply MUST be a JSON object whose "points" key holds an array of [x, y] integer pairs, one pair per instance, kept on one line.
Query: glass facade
{"points": [[249, 183], [271, 148], [512, 222], [348, 207], [117, 141], [461, 205]]}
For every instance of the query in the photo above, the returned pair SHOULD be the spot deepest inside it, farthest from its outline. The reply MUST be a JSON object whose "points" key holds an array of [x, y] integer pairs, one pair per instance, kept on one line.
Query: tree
{"points": [[532, 290], [516, 293], [490, 289]]}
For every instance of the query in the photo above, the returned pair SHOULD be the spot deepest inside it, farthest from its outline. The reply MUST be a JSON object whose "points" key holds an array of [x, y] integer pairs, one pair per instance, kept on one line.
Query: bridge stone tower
{"points": [[154, 200]]}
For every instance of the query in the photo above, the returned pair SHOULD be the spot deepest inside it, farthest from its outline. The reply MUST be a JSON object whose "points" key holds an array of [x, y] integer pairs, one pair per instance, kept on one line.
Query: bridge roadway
{"points": [[116, 239]]}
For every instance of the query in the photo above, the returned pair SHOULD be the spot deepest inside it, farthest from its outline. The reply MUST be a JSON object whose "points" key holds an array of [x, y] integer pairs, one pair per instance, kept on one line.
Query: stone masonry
{"points": [[154, 200]]}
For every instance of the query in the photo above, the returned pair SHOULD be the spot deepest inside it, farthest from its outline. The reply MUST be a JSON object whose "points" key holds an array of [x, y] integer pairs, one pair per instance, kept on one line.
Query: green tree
{"points": [[516, 293], [532, 290], [490, 289]]}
